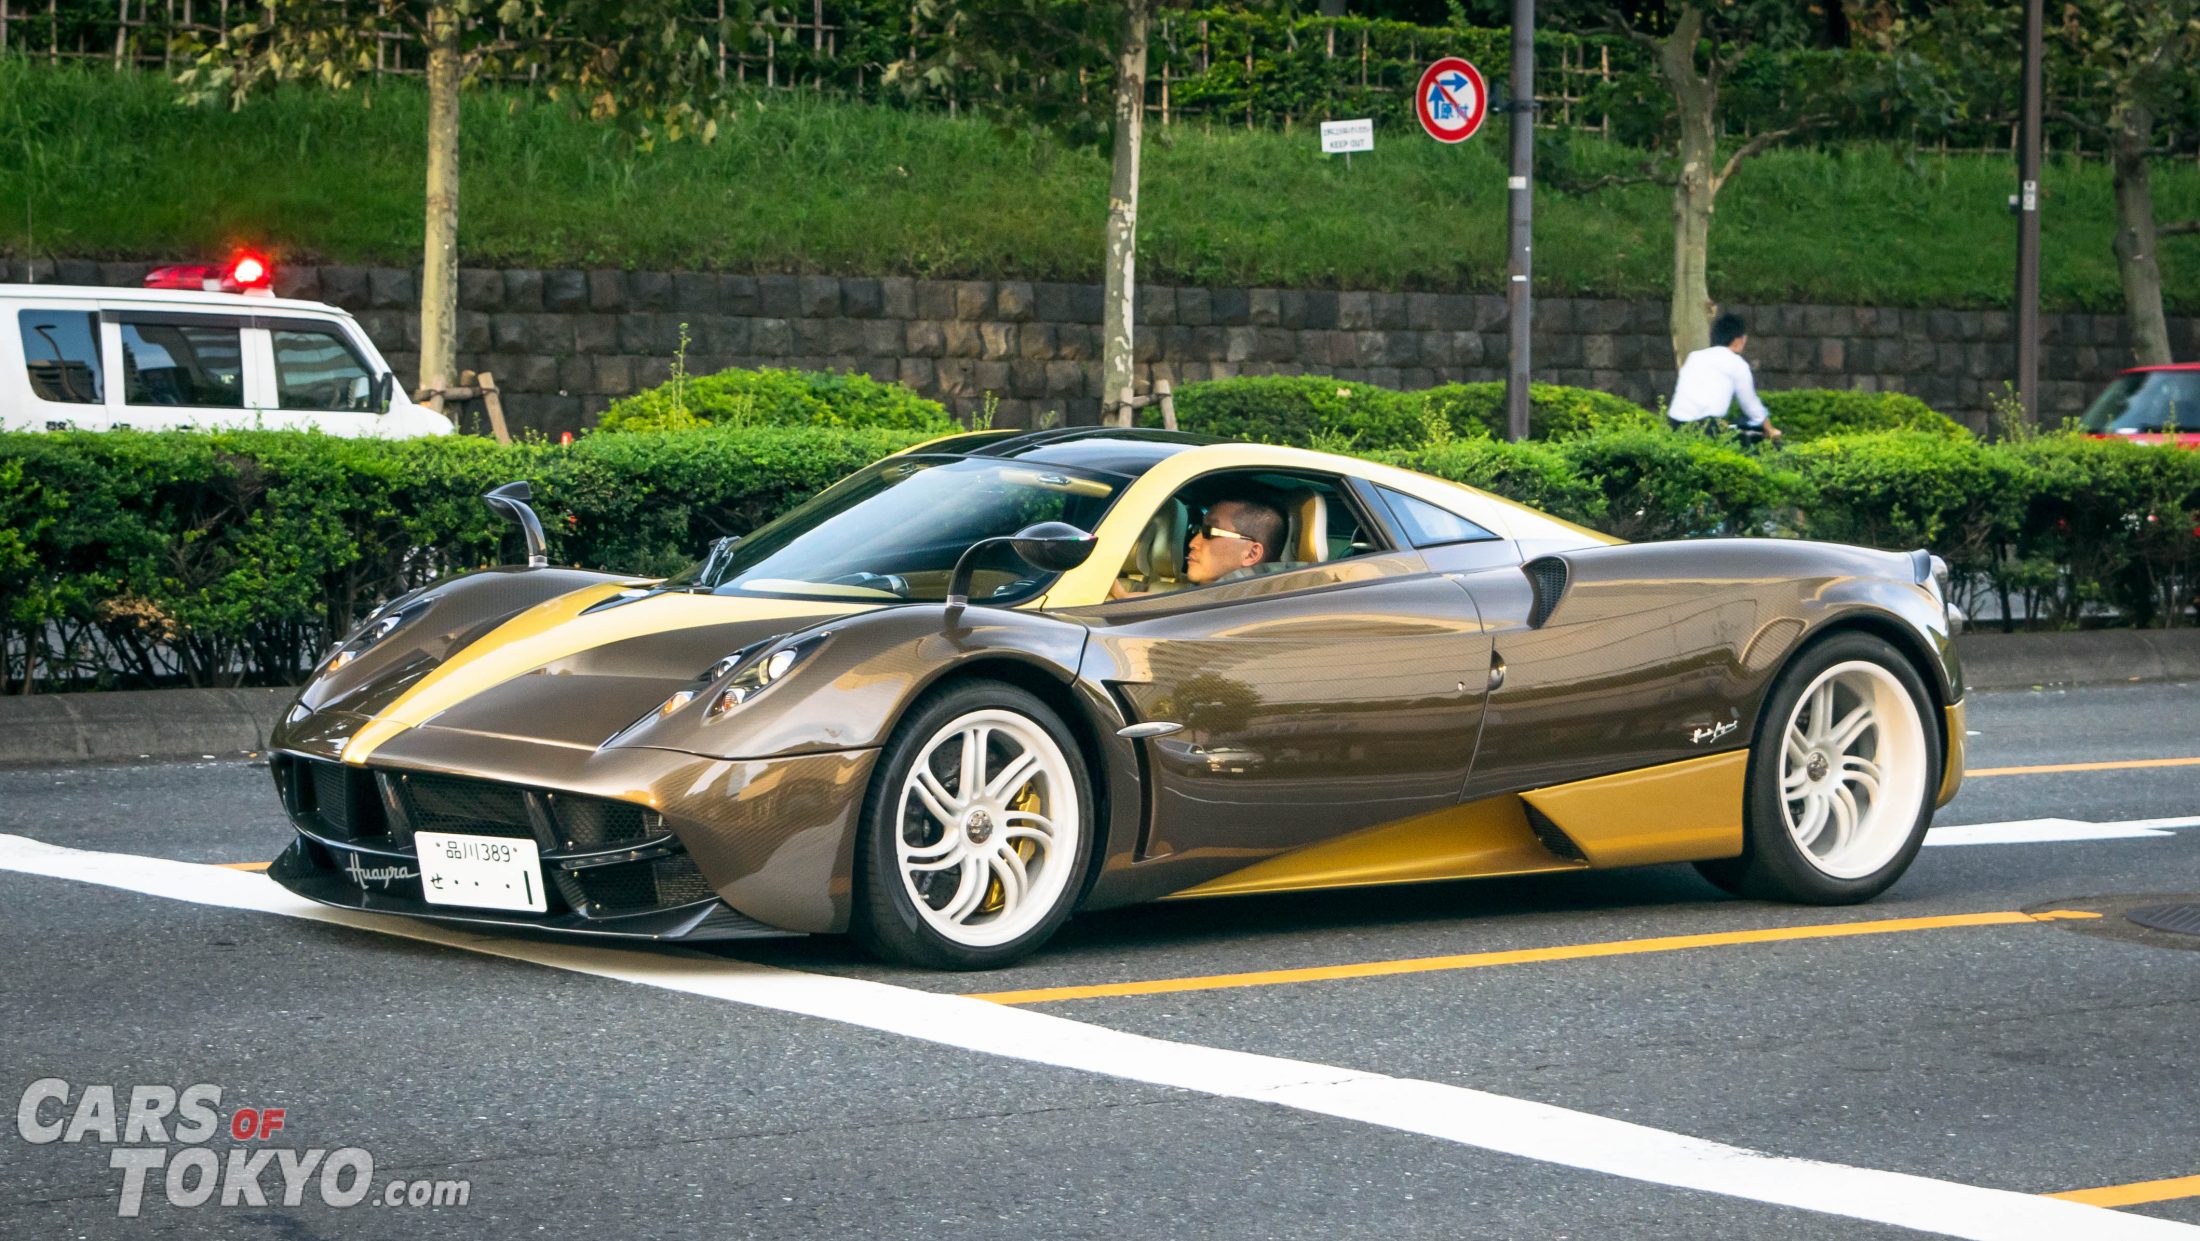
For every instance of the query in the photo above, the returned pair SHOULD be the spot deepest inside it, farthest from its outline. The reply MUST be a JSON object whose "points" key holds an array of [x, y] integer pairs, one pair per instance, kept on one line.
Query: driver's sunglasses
{"points": [[1207, 531]]}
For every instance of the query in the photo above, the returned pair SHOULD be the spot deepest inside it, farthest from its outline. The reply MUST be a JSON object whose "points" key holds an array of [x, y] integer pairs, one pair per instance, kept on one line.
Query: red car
{"points": [[2150, 405]]}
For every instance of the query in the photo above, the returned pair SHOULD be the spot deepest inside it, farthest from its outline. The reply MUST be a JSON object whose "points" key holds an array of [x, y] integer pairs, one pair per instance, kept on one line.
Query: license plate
{"points": [[485, 872]]}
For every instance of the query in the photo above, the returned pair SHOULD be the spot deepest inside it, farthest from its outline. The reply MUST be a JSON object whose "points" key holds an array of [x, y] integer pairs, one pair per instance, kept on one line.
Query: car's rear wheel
{"points": [[1841, 778], [975, 833]]}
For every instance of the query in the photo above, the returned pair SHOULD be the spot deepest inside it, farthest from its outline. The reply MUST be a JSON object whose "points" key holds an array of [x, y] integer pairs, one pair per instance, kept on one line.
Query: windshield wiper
{"points": [[706, 576]]}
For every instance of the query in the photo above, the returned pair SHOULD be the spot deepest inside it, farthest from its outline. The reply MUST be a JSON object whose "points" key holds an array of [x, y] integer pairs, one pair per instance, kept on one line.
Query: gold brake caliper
{"points": [[1027, 802]]}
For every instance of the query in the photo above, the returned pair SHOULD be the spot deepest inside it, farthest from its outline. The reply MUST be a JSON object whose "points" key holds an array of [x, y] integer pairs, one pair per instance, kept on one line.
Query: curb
{"points": [[2092, 657], [59, 729], [55, 729]]}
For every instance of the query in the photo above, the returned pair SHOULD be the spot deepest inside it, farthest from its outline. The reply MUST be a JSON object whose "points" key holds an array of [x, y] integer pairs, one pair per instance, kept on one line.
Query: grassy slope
{"points": [[108, 166]]}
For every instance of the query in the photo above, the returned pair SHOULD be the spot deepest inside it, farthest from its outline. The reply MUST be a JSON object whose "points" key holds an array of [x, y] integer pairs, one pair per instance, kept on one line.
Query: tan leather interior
{"points": [[1307, 520], [1157, 558]]}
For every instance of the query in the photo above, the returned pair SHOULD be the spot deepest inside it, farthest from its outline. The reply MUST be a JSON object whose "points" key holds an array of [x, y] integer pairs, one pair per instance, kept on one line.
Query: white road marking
{"points": [[1474, 1118], [2044, 831]]}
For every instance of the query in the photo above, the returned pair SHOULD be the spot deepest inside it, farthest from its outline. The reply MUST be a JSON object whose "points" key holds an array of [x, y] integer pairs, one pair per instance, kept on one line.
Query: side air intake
{"points": [[1547, 577]]}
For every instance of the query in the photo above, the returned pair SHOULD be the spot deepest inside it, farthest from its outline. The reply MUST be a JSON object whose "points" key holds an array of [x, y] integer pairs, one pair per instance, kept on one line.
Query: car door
{"points": [[1309, 703], [319, 376]]}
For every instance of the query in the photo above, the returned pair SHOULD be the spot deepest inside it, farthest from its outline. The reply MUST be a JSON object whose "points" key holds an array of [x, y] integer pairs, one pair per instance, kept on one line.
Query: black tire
{"points": [[1773, 864], [885, 918]]}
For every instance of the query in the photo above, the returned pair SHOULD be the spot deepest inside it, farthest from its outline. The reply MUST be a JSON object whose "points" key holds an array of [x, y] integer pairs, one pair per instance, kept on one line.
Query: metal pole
{"points": [[2028, 223], [1523, 207]]}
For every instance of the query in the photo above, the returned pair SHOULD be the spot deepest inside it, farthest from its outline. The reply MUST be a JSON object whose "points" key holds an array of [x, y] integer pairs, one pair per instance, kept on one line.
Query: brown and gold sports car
{"points": [[1004, 676]]}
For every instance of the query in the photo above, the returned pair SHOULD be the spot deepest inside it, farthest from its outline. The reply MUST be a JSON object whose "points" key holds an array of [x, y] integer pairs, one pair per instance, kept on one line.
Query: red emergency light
{"points": [[246, 273]]}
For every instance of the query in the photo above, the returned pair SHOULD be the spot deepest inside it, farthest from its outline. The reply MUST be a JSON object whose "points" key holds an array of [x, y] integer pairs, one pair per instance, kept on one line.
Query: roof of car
{"points": [[1111, 450], [231, 303]]}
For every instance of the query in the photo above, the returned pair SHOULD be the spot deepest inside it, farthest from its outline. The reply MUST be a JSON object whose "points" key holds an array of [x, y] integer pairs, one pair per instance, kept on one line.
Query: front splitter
{"points": [[701, 921]]}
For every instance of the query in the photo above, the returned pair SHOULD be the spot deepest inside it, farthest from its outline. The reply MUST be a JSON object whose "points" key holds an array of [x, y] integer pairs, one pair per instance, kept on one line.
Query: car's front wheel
{"points": [[1841, 778], [975, 832]]}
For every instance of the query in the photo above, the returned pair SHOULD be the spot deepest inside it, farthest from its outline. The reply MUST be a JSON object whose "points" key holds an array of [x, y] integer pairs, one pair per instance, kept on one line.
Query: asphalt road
{"points": [[2016, 1054]]}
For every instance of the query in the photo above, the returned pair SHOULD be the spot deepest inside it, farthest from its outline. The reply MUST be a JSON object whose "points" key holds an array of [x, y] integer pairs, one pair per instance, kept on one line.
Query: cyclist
{"points": [[1712, 379]]}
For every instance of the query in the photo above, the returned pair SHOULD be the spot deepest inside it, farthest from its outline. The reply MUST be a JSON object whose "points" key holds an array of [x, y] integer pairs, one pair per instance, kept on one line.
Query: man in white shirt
{"points": [[1713, 379]]}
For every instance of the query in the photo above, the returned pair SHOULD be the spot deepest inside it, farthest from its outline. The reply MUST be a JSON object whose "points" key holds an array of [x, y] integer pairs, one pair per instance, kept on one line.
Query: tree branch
{"points": [[1616, 21], [1643, 177], [1759, 143], [2089, 126], [2179, 228]]}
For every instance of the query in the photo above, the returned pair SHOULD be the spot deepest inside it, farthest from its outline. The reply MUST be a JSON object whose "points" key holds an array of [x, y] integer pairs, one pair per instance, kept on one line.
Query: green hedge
{"points": [[2063, 529], [1809, 413], [145, 559], [1318, 410], [141, 559], [777, 398], [1554, 410], [1299, 409]]}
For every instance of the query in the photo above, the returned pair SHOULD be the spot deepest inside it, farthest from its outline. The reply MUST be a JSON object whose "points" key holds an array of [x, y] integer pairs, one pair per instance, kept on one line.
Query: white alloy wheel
{"points": [[988, 822], [1852, 769]]}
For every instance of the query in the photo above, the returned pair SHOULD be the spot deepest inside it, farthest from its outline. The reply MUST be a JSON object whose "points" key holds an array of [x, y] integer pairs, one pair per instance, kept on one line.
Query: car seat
{"points": [[1156, 562], [1306, 527]]}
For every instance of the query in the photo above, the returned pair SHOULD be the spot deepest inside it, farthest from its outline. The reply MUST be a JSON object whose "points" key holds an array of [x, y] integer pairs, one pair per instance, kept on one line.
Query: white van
{"points": [[74, 357]]}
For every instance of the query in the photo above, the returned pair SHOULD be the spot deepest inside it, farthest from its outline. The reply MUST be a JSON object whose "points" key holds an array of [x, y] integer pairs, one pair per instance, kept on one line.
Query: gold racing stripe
{"points": [[555, 629]]}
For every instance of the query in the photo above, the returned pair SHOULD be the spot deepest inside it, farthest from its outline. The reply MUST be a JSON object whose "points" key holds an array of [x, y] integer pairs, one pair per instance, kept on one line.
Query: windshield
{"points": [[2148, 403], [894, 530]]}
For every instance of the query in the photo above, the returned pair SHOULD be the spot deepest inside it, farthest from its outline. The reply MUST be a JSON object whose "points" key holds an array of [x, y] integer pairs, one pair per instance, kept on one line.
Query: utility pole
{"points": [[2028, 223], [1522, 107]]}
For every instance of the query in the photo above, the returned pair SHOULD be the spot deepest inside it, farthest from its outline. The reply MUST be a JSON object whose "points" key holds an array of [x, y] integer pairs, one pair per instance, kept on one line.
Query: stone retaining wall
{"points": [[564, 343]]}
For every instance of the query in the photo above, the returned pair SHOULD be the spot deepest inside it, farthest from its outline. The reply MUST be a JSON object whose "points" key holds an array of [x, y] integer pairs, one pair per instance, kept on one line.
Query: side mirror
{"points": [[378, 399], [510, 500], [1055, 546]]}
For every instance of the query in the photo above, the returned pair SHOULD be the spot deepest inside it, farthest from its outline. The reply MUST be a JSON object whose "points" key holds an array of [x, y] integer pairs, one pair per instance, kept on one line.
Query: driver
{"points": [[1238, 538]]}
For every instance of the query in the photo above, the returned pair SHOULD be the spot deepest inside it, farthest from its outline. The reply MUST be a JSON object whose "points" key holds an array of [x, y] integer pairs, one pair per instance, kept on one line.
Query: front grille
{"points": [[678, 881], [472, 807], [334, 800], [346, 804], [640, 885], [592, 823], [329, 798]]}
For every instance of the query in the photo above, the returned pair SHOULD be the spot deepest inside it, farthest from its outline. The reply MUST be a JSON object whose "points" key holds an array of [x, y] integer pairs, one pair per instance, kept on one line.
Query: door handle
{"points": [[1151, 728]]}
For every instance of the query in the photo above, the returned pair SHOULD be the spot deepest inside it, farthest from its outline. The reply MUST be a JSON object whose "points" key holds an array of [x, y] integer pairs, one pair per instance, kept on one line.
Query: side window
{"points": [[1426, 525], [1323, 525], [1299, 520], [183, 364], [317, 370], [61, 352]]}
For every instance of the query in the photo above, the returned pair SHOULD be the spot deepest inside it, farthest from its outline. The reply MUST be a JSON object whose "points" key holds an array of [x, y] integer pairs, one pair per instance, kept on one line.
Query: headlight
{"points": [[380, 623], [760, 672], [753, 669]]}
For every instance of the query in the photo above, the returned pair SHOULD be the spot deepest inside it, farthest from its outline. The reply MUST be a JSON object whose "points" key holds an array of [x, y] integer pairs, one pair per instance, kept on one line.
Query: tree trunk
{"points": [[1695, 101], [1122, 267], [439, 258], [2135, 237]]}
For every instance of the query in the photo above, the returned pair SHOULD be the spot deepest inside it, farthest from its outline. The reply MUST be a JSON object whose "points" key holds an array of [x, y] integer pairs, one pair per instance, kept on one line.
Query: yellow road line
{"points": [[242, 865], [2136, 1193], [1522, 956], [2123, 765]]}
